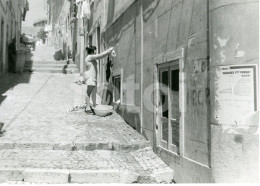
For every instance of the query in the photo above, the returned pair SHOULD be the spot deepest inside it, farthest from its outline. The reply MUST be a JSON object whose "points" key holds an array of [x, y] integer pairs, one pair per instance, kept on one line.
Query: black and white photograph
{"points": [[129, 92]]}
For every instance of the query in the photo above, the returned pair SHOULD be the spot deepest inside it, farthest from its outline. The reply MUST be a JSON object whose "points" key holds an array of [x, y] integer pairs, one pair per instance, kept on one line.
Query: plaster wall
{"points": [[167, 26], [124, 35], [3, 40], [144, 31], [234, 39], [10, 14]]}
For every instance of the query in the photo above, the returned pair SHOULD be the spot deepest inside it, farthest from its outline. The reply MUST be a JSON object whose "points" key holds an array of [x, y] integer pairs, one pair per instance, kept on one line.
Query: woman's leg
{"points": [[89, 91], [94, 96]]}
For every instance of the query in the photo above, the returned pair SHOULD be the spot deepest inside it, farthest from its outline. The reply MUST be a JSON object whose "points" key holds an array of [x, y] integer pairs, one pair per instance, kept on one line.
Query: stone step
{"points": [[75, 146], [52, 70], [98, 166], [50, 65], [46, 62]]}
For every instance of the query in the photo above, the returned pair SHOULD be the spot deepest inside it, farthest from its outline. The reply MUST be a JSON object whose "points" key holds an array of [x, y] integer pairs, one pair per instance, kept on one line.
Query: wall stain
{"points": [[238, 138]]}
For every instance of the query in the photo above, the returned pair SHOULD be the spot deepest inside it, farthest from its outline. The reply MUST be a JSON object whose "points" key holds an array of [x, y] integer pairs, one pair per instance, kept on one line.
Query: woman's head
{"points": [[91, 50]]}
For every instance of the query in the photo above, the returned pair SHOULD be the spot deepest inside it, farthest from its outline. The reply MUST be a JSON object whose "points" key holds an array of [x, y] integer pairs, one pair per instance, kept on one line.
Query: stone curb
{"points": [[66, 176], [76, 146], [144, 170]]}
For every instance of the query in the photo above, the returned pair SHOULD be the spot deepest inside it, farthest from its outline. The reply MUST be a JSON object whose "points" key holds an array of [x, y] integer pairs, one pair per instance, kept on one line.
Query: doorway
{"points": [[169, 106]]}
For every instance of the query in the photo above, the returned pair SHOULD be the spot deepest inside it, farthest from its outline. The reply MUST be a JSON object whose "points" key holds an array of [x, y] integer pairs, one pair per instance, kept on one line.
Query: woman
{"points": [[91, 73]]}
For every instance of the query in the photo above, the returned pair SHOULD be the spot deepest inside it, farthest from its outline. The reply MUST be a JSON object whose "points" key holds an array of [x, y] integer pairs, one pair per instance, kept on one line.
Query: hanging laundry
{"points": [[86, 9], [79, 14], [78, 2], [79, 11], [27, 5]]}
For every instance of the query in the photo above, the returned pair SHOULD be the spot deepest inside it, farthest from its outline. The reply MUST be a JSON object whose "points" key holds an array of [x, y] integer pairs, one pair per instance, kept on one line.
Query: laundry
{"points": [[83, 9], [86, 9], [79, 1]]}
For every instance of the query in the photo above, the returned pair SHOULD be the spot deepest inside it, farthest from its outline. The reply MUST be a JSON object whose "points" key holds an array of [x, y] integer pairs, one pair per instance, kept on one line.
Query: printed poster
{"points": [[236, 93]]}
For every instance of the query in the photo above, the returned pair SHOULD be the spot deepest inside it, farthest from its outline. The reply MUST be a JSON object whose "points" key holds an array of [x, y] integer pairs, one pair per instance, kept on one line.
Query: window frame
{"points": [[168, 67], [160, 62], [118, 73]]}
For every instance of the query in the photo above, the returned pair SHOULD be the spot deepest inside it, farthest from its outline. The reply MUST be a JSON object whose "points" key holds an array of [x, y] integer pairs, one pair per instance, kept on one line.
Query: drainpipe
{"points": [[142, 65], [82, 51]]}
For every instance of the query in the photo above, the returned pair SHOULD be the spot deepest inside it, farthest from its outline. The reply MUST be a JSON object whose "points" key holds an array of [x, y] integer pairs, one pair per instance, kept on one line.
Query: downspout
{"points": [[142, 65], [208, 87], [81, 32]]}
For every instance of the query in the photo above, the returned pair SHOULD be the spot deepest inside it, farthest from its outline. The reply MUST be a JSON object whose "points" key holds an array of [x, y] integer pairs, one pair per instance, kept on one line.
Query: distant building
{"points": [[40, 22], [61, 31], [12, 12]]}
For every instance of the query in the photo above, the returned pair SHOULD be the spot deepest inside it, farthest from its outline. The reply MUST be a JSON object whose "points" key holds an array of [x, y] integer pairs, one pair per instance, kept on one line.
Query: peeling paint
{"points": [[222, 42], [215, 46], [190, 40], [239, 53], [222, 55]]}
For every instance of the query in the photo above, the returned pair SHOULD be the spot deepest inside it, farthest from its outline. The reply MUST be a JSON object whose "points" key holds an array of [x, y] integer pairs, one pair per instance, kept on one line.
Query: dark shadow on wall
{"points": [[114, 33], [149, 8], [111, 11], [2, 131], [131, 118]]}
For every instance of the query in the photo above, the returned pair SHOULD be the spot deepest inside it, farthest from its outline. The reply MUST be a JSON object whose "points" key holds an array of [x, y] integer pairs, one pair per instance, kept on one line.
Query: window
{"points": [[169, 105], [90, 40], [117, 87], [98, 51], [2, 46]]}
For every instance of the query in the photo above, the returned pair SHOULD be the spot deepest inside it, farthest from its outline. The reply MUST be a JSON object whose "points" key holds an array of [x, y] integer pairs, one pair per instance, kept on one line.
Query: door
{"points": [[169, 106]]}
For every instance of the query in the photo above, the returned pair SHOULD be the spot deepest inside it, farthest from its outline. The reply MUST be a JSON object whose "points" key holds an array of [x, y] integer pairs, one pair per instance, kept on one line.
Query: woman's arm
{"points": [[100, 56]]}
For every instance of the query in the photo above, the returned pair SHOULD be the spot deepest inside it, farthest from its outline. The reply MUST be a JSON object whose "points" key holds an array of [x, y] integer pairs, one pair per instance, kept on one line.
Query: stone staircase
{"points": [[42, 60], [50, 67], [35, 165], [42, 142]]}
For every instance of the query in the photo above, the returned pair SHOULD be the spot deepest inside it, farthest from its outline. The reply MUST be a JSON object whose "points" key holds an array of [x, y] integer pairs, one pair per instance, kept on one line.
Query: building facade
{"points": [[11, 14], [183, 73], [61, 27], [40, 23]]}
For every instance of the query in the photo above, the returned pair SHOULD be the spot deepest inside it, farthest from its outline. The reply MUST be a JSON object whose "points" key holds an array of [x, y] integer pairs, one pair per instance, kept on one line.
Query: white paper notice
{"points": [[235, 94]]}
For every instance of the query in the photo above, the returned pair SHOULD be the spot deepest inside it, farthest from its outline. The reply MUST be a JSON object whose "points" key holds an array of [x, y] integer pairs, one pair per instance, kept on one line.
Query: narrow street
{"points": [[178, 81], [41, 142]]}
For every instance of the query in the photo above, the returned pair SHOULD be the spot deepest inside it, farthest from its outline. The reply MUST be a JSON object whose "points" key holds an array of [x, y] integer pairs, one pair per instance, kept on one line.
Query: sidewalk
{"points": [[39, 131]]}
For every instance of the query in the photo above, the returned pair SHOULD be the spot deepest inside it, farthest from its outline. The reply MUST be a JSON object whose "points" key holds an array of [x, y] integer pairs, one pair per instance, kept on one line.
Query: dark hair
{"points": [[91, 49]]}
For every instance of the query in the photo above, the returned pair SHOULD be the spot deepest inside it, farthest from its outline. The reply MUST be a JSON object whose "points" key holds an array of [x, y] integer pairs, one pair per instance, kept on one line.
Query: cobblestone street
{"points": [[42, 142], [132, 91]]}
